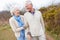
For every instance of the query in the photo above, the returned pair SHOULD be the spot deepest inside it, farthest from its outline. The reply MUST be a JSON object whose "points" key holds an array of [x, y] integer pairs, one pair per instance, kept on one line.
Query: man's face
{"points": [[29, 7], [17, 12]]}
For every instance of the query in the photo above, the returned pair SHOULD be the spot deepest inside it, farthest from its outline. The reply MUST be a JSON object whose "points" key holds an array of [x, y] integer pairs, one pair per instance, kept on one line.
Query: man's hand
{"points": [[29, 36]]}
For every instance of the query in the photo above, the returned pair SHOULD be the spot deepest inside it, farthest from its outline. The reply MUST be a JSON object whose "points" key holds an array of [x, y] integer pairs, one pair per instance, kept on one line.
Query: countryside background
{"points": [[51, 15]]}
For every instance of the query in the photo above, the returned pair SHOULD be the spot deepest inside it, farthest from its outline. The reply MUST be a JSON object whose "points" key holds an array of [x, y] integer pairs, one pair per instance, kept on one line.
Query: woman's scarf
{"points": [[20, 23]]}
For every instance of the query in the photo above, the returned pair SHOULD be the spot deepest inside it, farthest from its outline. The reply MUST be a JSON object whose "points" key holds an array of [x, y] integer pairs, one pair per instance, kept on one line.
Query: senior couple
{"points": [[29, 26]]}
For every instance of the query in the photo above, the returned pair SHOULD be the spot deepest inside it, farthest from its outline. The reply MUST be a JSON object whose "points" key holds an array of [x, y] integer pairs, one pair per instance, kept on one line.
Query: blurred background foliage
{"points": [[51, 17]]}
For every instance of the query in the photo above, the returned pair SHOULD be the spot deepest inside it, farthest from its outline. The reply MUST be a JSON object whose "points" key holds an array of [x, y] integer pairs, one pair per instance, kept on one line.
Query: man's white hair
{"points": [[28, 2], [13, 9]]}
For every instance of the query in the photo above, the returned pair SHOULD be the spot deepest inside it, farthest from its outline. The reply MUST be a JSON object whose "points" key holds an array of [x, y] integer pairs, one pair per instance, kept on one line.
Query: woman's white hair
{"points": [[13, 9]]}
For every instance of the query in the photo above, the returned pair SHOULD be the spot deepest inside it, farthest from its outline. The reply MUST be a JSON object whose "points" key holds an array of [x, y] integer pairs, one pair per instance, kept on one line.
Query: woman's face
{"points": [[17, 12]]}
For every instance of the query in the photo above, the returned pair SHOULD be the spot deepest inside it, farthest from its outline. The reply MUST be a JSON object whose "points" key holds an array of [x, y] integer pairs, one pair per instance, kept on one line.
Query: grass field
{"points": [[7, 34]]}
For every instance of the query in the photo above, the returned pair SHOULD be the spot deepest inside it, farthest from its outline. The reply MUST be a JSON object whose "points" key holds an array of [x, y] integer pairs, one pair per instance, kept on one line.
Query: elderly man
{"points": [[35, 21]]}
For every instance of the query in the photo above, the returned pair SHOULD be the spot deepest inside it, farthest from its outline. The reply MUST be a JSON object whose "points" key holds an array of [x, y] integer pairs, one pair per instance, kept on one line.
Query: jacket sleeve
{"points": [[14, 26], [42, 21], [26, 24]]}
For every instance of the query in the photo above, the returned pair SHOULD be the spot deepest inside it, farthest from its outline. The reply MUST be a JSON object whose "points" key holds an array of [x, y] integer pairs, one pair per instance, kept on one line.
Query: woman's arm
{"points": [[14, 26]]}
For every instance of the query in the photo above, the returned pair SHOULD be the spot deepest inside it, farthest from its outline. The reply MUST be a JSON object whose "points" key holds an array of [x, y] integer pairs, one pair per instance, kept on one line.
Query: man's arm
{"points": [[26, 23], [42, 21]]}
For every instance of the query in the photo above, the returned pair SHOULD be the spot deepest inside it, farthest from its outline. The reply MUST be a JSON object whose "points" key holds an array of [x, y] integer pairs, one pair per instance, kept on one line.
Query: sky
{"points": [[5, 4]]}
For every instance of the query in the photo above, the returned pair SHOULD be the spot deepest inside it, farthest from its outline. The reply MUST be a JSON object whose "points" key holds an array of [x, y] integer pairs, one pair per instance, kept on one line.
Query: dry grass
{"points": [[6, 33]]}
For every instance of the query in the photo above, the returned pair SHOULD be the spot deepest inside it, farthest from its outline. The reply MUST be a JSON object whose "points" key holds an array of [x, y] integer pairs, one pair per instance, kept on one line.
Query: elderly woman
{"points": [[17, 24]]}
